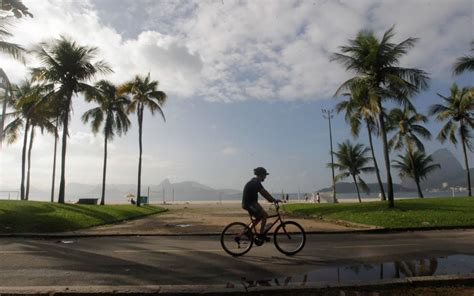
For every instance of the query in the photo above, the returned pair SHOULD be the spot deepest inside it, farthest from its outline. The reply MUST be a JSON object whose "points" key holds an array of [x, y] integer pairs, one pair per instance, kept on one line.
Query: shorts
{"points": [[255, 210]]}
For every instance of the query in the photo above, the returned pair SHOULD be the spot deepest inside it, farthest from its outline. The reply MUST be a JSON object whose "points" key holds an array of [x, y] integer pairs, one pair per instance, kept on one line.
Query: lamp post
{"points": [[329, 114]]}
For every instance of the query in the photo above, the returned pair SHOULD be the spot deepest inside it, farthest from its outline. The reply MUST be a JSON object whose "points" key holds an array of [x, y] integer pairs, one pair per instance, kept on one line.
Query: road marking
{"points": [[21, 252], [373, 246], [166, 251]]}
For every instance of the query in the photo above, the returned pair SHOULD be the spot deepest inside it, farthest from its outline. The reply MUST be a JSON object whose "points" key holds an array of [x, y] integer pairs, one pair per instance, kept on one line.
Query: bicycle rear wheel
{"points": [[289, 238], [237, 239]]}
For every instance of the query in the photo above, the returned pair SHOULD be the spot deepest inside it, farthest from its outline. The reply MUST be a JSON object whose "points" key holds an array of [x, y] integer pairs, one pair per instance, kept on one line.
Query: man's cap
{"points": [[260, 171]]}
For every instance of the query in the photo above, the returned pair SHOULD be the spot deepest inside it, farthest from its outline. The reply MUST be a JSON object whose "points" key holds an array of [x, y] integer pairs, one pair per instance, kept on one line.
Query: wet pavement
{"points": [[449, 265], [165, 260]]}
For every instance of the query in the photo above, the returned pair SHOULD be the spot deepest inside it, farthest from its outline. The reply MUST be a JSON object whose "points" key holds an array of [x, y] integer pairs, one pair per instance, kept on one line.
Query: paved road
{"points": [[162, 260]]}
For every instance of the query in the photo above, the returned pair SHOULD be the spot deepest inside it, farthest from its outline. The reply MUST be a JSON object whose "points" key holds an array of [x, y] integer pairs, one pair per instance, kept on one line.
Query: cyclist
{"points": [[250, 199]]}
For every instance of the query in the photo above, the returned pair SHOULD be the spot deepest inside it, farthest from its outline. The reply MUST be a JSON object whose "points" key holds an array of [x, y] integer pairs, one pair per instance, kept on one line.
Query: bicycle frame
{"points": [[254, 222]]}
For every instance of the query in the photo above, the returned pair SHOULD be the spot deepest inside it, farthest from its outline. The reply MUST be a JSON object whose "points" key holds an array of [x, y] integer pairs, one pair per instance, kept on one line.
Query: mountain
{"points": [[451, 174], [346, 187], [187, 190]]}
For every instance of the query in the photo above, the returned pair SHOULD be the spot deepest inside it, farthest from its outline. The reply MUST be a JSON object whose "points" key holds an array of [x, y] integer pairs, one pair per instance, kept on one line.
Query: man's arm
{"points": [[267, 195]]}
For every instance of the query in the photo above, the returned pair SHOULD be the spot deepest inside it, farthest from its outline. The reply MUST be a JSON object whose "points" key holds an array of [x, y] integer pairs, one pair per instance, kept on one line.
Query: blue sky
{"points": [[246, 82]]}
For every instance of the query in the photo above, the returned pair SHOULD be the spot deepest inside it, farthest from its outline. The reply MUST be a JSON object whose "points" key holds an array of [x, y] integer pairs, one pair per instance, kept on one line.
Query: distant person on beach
{"points": [[287, 197], [318, 198], [250, 198]]}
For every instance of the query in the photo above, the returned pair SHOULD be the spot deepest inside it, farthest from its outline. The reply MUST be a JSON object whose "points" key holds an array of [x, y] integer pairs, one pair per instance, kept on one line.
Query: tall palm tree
{"points": [[408, 130], [41, 118], [464, 63], [360, 106], [14, 50], [458, 112], [28, 114], [68, 66], [143, 93], [416, 165], [376, 62], [111, 113], [55, 133], [351, 160]]}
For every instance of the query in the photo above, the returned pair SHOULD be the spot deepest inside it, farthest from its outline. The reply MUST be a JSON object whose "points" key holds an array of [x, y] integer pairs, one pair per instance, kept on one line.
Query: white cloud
{"points": [[229, 150], [233, 50], [166, 57]]}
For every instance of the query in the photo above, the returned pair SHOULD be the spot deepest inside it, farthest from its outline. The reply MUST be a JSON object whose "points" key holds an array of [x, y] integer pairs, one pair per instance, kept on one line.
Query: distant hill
{"points": [[451, 173], [346, 187], [187, 190]]}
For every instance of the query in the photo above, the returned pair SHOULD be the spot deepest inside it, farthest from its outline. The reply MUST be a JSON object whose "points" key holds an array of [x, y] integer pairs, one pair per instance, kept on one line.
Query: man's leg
{"points": [[263, 221]]}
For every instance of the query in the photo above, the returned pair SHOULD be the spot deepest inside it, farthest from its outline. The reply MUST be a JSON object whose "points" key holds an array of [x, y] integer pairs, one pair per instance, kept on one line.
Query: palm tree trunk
{"points": [[140, 123], [377, 172], [23, 158], [8, 93], [62, 183], [102, 200], [386, 155], [54, 158], [357, 188], [420, 193], [32, 136], [466, 163]]}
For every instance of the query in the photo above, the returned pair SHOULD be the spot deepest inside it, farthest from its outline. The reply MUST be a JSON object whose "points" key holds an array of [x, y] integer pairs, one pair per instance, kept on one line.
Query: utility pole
{"points": [[329, 114]]}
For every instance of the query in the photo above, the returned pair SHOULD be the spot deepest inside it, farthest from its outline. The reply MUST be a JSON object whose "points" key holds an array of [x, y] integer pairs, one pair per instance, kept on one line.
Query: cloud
{"points": [[240, 50], [166, 57], [229, 150]]}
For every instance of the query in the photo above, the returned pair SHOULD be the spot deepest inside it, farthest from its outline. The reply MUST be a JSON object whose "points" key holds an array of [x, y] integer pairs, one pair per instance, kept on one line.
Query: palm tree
{"points": [[465, 63], [351, 160], [41, 118], [111, 112], [68, 66], [28, 114], [14, 50], [408, 130], [416, 165], [144, 94], [360, 106], [458, 112], [376, 63]]}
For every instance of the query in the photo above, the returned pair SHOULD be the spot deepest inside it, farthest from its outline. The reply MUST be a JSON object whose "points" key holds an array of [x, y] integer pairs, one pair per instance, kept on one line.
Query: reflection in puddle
{"points": [[456, 264], [183, 225]]}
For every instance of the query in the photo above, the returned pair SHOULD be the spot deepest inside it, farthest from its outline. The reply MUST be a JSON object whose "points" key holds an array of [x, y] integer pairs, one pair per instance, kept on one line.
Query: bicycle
{"points": [[289, 237]]}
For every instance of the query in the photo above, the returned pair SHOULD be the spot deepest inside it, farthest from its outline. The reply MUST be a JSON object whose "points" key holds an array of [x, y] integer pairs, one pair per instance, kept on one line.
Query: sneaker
{"points": [[267, 227], [264, 237]]}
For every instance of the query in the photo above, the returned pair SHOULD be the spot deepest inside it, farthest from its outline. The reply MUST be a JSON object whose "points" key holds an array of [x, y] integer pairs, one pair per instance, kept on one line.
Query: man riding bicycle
{"points": [[250, 198]]}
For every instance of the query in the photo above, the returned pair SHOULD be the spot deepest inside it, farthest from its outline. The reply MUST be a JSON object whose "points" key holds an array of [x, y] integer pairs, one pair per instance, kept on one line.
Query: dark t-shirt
{"points": [[250, 195]]}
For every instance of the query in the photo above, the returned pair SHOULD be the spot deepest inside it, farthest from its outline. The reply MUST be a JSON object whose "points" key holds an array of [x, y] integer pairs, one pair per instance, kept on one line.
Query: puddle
{"points": [[183, 225], [455, 264], [65, 242]]}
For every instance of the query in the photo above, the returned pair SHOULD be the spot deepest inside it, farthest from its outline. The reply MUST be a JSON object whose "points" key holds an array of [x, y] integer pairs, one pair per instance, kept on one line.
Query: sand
{"points": [[203, 217]]}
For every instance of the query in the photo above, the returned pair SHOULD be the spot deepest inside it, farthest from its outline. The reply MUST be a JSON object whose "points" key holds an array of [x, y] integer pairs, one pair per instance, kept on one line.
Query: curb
{"points": [[230, 289], [198, 234]]}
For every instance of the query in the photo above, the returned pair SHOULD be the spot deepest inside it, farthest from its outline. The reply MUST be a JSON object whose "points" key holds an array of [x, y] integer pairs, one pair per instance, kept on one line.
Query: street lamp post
{"points": [[329, 114]]}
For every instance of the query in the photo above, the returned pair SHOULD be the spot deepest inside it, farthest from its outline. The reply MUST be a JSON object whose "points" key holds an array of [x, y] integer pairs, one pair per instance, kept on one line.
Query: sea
{"points": [[294, 197]]}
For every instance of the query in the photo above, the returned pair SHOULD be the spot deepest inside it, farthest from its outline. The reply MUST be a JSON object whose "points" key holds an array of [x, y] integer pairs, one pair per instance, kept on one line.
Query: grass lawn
{"points": [[427, 212], [42, 217]]}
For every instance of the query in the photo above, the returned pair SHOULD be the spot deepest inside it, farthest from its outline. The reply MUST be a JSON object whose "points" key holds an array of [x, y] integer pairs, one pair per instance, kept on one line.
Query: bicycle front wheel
{"points": [[237, 239], [289, 238]]}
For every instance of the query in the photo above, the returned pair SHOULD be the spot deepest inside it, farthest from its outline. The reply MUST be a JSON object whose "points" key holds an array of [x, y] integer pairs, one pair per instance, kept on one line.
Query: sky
{"points": [[246, 82]]}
